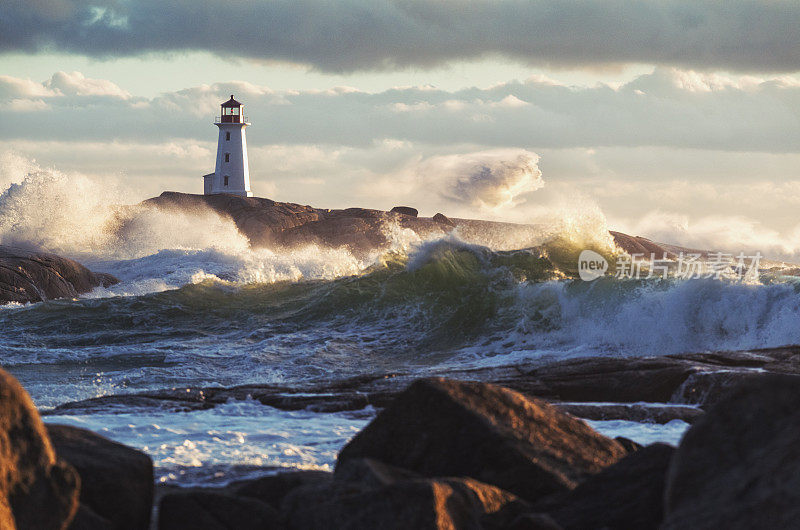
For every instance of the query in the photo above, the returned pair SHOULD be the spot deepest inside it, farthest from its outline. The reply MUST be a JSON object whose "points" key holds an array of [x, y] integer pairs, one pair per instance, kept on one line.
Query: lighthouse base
{"points": [[208, 188]]}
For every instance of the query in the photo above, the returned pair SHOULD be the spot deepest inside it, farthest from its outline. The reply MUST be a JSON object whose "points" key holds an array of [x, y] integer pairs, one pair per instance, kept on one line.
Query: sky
{"points": [[678, 120]]}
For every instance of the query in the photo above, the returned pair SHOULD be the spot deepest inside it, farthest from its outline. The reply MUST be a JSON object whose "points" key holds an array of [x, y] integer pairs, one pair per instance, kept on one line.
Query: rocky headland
{"points": [[269, 223]]}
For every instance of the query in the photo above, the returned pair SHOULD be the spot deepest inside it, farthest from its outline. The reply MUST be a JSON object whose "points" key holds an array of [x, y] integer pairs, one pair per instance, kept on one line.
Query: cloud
{"points": [[487, 180], [14, 87], [76, 84], [60, 84], [667, 107], [633, 147], [350, 35]]}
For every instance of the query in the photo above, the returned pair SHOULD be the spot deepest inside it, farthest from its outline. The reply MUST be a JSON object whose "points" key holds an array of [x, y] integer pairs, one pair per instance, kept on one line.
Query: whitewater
{"points": [[196, 306]]}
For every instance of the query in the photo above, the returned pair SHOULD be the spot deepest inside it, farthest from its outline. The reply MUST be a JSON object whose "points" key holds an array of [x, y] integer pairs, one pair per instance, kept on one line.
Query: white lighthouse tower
{"points": [[232, 172]]}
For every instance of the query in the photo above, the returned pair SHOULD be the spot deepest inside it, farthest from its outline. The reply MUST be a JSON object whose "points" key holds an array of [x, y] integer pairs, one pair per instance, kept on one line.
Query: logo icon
{"points": [[591, 265]]}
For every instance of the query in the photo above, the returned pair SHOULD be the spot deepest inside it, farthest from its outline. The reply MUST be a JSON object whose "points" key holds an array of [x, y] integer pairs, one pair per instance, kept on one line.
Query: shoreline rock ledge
{"points": [[469, 455], [27, 276], [444, 454]]}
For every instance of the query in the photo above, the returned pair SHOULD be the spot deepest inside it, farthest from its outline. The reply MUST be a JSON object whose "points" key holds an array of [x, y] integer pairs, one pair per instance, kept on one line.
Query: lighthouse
{"points": [[232, 172]]}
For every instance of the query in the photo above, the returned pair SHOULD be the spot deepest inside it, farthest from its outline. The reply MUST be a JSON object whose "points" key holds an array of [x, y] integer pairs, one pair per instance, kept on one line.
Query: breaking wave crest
{"points": [[191, 285], [445, 303], [73, 215]]}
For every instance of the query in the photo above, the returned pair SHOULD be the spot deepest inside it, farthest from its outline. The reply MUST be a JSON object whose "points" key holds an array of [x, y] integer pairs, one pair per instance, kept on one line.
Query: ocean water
{"points": [[197, 307]]}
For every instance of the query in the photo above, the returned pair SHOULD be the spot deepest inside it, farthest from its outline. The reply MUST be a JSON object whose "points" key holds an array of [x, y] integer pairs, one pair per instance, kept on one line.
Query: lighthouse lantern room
{"points": [[232, 172]]}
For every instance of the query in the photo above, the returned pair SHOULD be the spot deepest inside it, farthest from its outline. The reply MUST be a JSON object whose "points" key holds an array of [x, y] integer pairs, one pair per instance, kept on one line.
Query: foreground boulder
{"points": [[37, 490], [628, 494], [33, 276], [439, 427], [272, 489], [116, 480], [211, 510], [739, 465], [406, 503], [372, 473], [86, 519]]}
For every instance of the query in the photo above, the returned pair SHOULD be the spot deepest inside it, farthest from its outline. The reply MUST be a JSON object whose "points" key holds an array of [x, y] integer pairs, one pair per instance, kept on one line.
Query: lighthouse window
{"points": [[227, 136], [227, 157], [226, 180]]}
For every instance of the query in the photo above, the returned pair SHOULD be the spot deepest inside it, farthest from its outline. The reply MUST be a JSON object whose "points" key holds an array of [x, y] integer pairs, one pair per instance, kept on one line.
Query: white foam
{"points": [[568, 319], [642, 433], [227, 442]]}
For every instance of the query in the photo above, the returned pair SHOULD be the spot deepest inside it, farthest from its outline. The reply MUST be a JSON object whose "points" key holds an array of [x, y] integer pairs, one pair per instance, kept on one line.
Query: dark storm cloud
{"points": [[349, 35]]}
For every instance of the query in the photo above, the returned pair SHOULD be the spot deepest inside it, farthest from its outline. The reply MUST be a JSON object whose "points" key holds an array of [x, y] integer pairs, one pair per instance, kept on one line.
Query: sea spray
{"points": [[75, 216]]}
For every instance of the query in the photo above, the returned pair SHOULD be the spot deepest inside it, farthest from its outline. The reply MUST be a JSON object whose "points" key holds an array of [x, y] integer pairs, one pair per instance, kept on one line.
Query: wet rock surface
{"points": [[116, 480], [632, 389], [37, 489], [415, 503], [195, 509], [739, 466], [27, 276], [628, 494], [273, 489]]}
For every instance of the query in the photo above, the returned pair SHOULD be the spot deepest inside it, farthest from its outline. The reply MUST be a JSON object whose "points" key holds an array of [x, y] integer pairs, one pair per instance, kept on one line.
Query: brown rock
{"points": [[534, 521], [628, 494], [638, 412], [443, 219], [645, 247], [37, 490], [405, 210], [738, 467], [116, 480], [211, 510], [273, 488], [86, 519], [420, 504], [371, 473], [628, 444], [706, 388], [440, 427], [697, 378], [27, 276], [268, 223], [652, 379]]}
